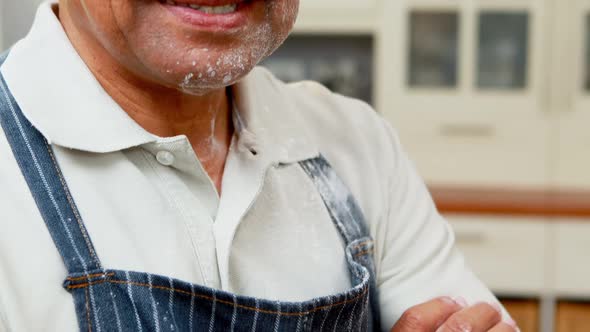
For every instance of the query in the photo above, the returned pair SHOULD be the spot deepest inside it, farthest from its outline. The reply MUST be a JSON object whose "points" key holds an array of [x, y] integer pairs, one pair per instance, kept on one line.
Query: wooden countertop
{"points": [[497, 201]]}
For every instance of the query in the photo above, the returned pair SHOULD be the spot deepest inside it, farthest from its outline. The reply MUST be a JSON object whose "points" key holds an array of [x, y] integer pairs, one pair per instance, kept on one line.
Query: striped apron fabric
{"points": [[114, 300]]}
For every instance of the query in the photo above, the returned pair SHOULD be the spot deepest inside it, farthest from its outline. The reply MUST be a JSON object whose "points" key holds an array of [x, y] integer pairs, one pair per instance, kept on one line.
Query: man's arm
{"points": [[417, 258], [445, 314]]}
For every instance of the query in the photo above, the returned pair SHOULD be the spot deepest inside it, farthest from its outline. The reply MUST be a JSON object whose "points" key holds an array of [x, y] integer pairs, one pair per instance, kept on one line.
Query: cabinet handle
{"points": [[470, 237], [467, 130]]}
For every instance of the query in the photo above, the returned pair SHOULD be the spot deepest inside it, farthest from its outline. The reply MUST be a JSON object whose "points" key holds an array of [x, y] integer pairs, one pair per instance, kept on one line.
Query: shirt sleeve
{"points": [[416, 258]]}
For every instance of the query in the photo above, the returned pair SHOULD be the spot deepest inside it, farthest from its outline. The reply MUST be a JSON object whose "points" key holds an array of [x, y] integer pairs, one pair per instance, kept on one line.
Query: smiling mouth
{"points": [[211, 10]]}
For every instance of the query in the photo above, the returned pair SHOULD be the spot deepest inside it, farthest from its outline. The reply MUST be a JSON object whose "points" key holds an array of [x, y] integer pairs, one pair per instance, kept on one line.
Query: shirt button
{"points": [[165, 158]]}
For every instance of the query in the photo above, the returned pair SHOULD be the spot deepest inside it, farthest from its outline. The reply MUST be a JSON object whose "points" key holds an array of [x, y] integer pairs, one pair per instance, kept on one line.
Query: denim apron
{"points": [[114, 300]]}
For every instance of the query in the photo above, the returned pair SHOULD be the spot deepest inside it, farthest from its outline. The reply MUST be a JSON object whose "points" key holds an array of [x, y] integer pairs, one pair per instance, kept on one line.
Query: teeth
{"points": [[226, 9], [215, 9]]}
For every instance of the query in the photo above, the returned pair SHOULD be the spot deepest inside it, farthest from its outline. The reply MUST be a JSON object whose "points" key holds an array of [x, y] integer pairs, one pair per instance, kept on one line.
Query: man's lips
{"points": [[210, 14], [195, 4]]}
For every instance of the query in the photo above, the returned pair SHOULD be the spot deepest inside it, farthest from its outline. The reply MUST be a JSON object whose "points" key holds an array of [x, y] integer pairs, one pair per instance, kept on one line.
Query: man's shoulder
{"points": [[356, 140]]}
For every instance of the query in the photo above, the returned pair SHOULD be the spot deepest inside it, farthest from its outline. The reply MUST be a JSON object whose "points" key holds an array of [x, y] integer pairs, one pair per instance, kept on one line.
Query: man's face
{"points": [[193, 45]]}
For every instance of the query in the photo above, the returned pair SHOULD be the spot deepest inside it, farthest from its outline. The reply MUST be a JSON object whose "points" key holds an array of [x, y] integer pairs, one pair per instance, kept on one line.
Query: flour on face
{"points": [[213, 70]]}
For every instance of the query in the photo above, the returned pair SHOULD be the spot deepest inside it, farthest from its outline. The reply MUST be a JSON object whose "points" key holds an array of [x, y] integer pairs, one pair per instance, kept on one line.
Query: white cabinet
{"points": [[464, 84], [482, 93], [572, 271], [508, 254], [535, 258], [527, 256]]}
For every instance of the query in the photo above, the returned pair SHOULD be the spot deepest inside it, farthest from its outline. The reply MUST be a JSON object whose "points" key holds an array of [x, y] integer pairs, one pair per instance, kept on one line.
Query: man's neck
{"points": [[162, 111]]}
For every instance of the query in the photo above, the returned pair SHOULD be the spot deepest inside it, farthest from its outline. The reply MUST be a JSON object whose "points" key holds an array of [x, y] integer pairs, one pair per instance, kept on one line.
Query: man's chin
{"points": [[194, 82]]}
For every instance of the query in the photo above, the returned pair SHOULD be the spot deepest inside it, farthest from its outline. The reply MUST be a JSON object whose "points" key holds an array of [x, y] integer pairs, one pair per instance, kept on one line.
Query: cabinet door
{"points": [[492, 246], [571, 97], [524, 312], [573, 317], [463, 83], [572, 245]]}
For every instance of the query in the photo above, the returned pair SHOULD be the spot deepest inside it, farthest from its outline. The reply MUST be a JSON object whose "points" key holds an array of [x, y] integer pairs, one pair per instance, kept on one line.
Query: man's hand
{"points": [[447, 315]]}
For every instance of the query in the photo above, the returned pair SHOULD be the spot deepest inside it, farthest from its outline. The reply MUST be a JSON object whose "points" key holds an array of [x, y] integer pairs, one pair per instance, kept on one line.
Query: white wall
{"points": [[16, 17]]}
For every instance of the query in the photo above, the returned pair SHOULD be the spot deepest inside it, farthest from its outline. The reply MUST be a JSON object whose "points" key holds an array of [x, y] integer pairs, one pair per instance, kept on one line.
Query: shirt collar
{"points": [[62, 99]]}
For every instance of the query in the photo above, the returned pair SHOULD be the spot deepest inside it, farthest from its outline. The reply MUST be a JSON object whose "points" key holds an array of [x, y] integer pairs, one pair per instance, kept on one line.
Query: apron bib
{"points": [[114, 300]]}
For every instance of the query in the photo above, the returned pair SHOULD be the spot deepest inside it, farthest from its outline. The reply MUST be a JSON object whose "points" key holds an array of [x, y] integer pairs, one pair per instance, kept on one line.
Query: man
{"points": [[173, 186]]}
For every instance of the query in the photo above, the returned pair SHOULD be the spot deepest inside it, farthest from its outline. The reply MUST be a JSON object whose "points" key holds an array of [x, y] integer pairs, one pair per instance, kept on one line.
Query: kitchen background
{"points": [[492, 102]]}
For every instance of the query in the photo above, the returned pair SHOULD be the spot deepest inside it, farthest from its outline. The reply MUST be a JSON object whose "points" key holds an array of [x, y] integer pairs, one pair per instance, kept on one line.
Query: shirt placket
{"points": [[165, 158]]}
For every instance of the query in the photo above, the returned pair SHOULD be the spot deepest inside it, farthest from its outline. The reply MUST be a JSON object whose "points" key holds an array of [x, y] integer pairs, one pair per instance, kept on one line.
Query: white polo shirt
{"points": [[149, 206]]}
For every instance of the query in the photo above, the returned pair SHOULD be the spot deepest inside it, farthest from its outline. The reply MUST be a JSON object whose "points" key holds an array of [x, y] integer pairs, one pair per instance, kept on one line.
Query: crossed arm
{"points": [[418, 261], [445, 314]]}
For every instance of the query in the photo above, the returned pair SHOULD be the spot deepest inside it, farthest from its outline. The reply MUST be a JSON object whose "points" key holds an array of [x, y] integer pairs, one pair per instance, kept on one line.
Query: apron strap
{"points": [[343, 208], [39, 167], [348, 218]]}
